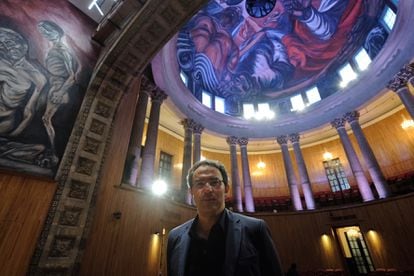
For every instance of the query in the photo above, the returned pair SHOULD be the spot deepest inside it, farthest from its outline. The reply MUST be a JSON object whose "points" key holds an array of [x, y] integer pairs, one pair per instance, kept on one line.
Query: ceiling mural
{"points": [[245, 50]]}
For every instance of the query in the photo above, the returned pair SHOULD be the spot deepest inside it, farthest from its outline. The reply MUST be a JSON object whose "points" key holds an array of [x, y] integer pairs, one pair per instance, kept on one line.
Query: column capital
{"points": [[338, 123], [294, 137], [352, 116], [197, 128], [401, 78], [243, 141], [157, 95], [147, 86], [282, 140], [188, 124], [232, 140]]}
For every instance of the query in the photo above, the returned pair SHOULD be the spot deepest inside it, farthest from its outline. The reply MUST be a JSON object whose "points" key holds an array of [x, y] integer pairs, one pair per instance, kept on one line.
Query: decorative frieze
{"points": [[62, 246], [91, 145], [103, 110], [70, 216], [79, 190], [97, 127], [85, 166]]}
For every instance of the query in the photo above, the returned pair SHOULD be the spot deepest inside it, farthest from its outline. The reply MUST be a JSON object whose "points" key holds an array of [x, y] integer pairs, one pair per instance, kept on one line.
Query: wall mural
{"points": [[251, 50], [46, 60]]}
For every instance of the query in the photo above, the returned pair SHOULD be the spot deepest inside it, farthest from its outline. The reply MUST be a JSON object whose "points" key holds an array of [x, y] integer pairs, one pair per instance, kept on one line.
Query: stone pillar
{"points": [[188, 128], [197, 129], [400, 84], [351, 155], [235, 180], [290, 174], [247, 181], [303, 172], [148, 155], [134, 148], [373, 167]]}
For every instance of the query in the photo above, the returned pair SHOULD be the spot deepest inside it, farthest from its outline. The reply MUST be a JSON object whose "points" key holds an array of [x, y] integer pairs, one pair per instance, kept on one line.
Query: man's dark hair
{"points": [[207, 163]]}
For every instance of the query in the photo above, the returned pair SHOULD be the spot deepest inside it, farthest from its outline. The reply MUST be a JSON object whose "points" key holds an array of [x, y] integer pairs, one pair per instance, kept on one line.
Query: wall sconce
{"points": [[407, 124], [327, 156], [261, 165]]}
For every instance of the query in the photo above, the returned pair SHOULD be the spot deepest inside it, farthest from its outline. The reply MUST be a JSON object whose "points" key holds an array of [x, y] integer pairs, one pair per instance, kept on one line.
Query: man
{"points": [[219, 242]]}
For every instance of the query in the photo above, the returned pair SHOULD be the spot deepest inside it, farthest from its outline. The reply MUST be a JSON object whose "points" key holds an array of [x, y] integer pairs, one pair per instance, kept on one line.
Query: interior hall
{"points": [[106, 104]]}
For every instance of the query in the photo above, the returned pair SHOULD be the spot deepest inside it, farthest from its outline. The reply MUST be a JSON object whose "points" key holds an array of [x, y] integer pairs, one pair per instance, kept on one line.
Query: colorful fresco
{"points": [[46, 60], [252, 50]]}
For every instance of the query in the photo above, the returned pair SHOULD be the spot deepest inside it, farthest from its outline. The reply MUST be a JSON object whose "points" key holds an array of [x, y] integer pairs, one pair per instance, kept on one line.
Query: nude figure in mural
{"points": [[62, 67], [18, 78]]}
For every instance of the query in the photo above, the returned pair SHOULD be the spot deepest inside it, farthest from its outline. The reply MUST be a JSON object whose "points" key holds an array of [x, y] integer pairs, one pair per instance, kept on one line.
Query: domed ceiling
{"points": [[247, 51], [257, 50]]}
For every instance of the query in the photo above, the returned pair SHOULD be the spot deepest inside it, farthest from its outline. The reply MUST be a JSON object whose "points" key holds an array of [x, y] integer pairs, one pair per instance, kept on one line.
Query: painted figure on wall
{"points": [[229, 51], [18, 78], [46, 60], [62, 67]]}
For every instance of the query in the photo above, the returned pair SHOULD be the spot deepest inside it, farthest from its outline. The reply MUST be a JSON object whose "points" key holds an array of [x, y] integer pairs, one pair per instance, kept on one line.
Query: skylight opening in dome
{"points": [[264, 110], [347, 75], [184, 78], [248, 111], [297, 103], [389, 18], [206, 99], [219, 104], [313, 95], [362, 59]]}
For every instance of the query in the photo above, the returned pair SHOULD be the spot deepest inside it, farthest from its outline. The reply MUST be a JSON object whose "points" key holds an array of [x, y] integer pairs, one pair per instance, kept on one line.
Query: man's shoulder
{"points": [[244, 219], [181, 228]]}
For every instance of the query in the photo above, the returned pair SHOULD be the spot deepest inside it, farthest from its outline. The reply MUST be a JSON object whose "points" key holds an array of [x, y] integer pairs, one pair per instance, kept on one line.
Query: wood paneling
{"points": [[24, 202]]}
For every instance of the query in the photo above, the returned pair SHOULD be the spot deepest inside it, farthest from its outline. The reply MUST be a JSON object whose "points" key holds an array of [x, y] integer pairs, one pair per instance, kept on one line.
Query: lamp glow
{"points": [[327, 156], [261, 165], [159, 187], [407, 124]]}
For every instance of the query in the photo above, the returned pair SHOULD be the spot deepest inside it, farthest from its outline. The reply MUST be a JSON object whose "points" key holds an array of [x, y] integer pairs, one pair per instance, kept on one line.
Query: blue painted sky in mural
{"points": [[225, 51]]}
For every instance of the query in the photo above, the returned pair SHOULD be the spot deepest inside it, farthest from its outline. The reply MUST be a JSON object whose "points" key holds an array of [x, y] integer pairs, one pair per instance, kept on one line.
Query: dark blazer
{"points": [[249, 248]]}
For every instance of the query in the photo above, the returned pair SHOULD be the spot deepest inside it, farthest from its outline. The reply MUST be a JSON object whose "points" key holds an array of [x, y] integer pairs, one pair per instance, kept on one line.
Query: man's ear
{"points": [[226, 188]]}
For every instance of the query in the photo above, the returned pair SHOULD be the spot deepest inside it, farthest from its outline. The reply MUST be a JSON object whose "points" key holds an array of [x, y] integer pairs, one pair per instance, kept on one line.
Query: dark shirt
{"points": [[206, 257]]}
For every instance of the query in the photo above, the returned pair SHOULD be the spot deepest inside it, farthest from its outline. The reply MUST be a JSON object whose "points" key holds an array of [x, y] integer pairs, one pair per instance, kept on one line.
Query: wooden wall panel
{"points": [[175, 147], [24, 203]]}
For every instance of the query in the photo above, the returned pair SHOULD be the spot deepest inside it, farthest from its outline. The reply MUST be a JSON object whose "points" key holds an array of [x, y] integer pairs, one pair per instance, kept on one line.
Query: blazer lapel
{"points": [[233, 240], [181, 251]]}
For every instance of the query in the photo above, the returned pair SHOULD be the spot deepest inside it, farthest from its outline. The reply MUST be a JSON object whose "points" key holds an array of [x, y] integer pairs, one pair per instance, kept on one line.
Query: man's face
{"points": [[208, 190], [12, 47]]}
